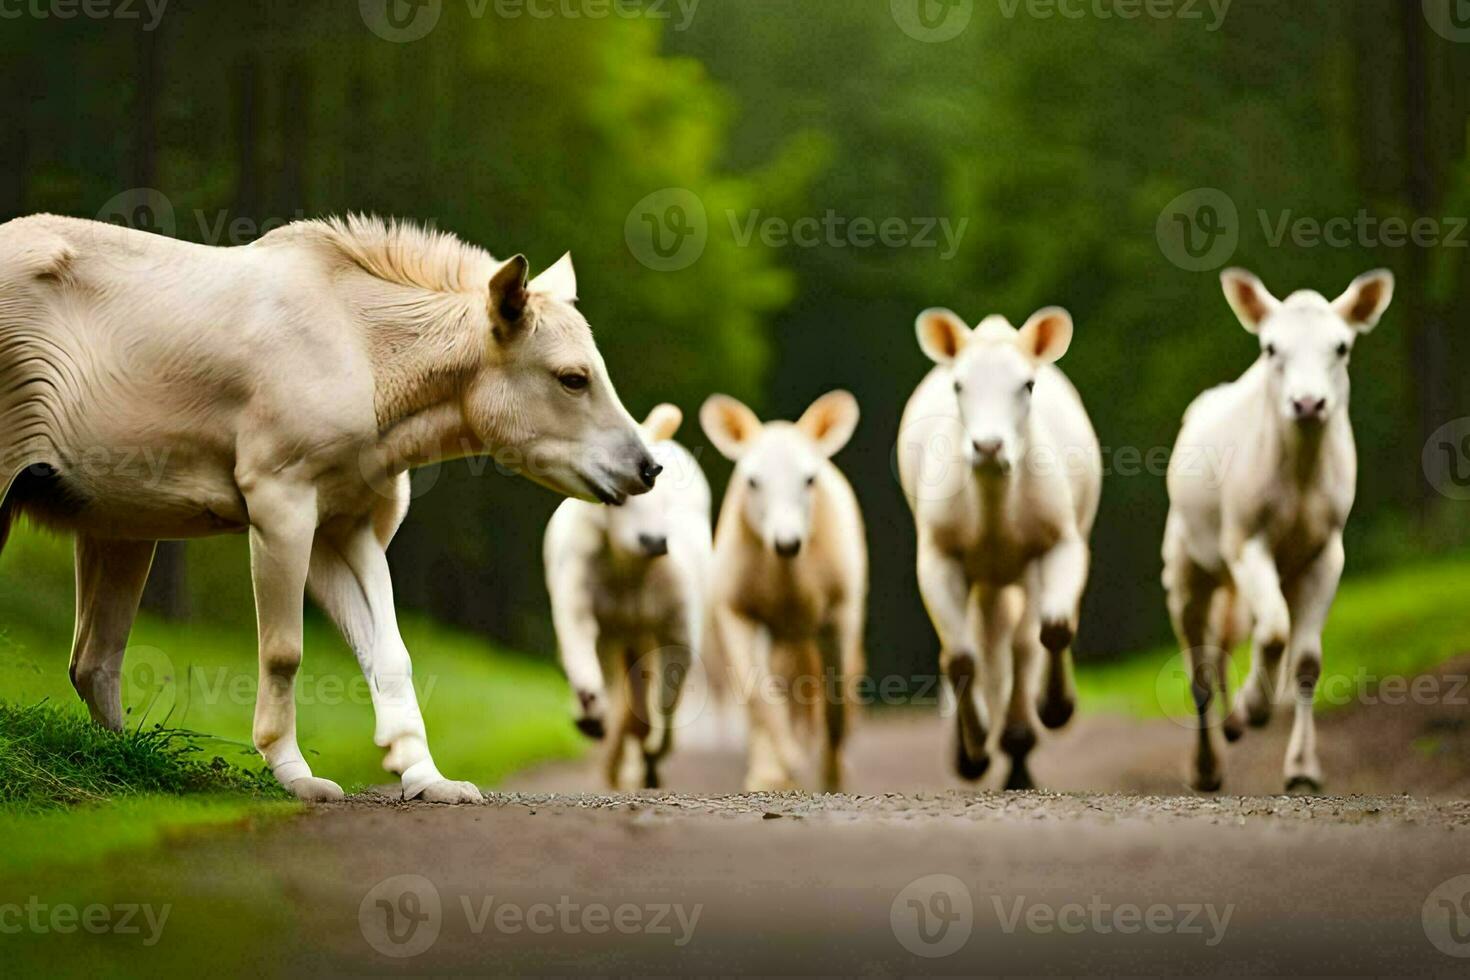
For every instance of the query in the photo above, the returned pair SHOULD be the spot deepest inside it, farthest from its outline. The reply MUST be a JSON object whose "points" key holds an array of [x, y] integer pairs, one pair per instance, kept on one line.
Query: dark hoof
{"points": [[1206, 783], [650, 774], [592, 728], [1056, 637], [1303, 786], [968, 768], [1019, 779], [1259, 719], [1056, 712], [1233, 728]]}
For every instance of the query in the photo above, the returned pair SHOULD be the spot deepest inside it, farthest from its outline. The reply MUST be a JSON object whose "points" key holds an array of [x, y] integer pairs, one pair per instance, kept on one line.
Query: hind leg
{"points": [[1191, 591], [110, 579]]}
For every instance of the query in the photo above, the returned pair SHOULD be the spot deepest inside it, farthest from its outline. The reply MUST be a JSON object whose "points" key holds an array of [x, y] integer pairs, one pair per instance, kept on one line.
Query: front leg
{"points": [[946, 590], [774, 758], [350, 578], [1310, 600], [1061, 575], [282, 525], [1257, 581]]}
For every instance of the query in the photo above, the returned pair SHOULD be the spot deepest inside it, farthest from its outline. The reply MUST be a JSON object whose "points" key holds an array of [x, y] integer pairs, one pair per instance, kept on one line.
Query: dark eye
{"points": [[573, 381], [958, 387], [1030, 387], [1342, 349], [1270, 350], [811, 480], [755, 484]]}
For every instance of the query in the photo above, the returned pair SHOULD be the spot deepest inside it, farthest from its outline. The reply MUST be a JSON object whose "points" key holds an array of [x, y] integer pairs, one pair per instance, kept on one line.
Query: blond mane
{"points": [[398, 251]]}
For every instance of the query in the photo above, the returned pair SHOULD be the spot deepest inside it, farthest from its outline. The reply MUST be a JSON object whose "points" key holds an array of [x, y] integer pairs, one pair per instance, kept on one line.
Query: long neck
{"points": [[425, 347]]}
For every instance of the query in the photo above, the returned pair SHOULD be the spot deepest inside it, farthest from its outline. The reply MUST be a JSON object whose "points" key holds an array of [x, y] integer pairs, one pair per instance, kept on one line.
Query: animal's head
{"points": [[778, 464], [992, 371], [544, 401], [641, 527], [1307, 341]]}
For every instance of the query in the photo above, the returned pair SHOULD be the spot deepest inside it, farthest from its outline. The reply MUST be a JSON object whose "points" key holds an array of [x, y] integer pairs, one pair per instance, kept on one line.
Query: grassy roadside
{"points": [[489, 712], [1385, 627]]}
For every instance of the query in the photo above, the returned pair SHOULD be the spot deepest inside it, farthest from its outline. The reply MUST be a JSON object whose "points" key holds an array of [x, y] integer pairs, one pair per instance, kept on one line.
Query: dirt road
{"points": [[932, 879]]}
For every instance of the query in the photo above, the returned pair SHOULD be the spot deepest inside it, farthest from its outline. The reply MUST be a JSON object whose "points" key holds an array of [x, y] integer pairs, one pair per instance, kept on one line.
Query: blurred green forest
{"points": [[1047, 152]]}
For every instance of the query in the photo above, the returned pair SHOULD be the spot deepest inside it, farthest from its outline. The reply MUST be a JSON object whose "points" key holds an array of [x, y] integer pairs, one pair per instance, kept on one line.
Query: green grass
{"points": [[489, 712], [1394, 624], [54, 757], [71, 793]]}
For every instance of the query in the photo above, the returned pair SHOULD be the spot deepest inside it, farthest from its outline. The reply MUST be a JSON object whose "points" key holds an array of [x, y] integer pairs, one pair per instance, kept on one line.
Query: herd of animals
{"points": [[286, 388], [1003, 471]]}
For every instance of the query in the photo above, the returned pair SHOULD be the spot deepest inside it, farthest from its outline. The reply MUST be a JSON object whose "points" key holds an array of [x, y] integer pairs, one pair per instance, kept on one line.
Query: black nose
{"points": [[649, 471], [788, 548], [986, 448], [654, 544], [1309, 408]]}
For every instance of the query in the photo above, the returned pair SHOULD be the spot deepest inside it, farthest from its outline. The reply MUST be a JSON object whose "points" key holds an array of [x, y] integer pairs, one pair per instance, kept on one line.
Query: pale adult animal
{"points": [[284, 388]]}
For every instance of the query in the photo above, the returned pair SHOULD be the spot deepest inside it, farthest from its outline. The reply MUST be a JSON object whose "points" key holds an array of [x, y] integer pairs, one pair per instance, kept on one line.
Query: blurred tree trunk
{"points": [[167, 592], [1424, 160]]}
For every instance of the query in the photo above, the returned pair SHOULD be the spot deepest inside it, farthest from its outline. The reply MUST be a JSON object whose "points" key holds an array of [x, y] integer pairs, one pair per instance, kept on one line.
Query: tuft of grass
{"points": [[51, 758]]}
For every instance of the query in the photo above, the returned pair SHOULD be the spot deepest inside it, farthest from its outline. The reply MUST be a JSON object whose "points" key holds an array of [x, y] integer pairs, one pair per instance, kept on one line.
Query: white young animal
{"points": [[1257, 537], [284, 388], [791, 581], [1003, 472], [629, 588]]}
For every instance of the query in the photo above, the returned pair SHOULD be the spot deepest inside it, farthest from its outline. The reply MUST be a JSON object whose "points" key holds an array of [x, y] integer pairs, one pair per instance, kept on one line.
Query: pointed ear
{"points": [[508, 296], [1249, 298], [942, 334], [559, 281], [830, 421], [1366, 300], [1047, 335], [729, 424], [662, 422]]}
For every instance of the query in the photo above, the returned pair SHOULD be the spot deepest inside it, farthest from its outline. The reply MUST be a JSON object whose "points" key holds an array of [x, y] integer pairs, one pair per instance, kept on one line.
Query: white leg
{"points": [[1061, 576], [350, 578], [282, 526], [947, 595], [1259, 585], [110, 577], [774, 757], [576, 644], [1191, 591], [1311, 599]]}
